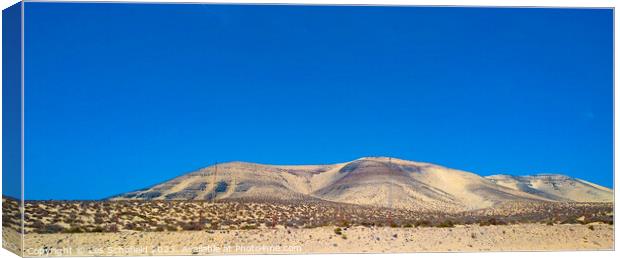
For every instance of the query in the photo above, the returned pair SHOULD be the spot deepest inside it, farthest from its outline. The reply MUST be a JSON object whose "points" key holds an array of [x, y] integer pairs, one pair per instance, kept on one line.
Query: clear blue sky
{"points": [[120, 97]]}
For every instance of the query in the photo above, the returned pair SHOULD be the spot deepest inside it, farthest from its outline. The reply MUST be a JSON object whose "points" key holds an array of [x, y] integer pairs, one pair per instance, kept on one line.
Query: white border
{"points": [[481, 3], [493, 3]]}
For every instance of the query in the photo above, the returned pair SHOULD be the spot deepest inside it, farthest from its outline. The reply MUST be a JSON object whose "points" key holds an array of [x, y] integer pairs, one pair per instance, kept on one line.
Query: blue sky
{"points": [[120, 96]]}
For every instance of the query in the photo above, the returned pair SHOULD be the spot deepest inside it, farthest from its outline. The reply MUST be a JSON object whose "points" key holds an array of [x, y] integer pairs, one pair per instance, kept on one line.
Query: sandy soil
{"points": [[12, 240], [325, 240]]}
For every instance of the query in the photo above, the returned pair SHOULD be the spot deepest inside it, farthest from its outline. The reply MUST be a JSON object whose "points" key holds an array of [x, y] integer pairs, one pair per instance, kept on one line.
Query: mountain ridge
{"points": [[374, 181]]}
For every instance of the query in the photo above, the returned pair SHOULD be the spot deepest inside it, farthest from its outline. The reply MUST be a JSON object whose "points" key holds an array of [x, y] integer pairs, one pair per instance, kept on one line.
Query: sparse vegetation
{"points": [[446, 224], [248, 227], [53, 228], [73, 230], [192, 226], [492, 221], [338, 231], [423, 223], [113, 216]]}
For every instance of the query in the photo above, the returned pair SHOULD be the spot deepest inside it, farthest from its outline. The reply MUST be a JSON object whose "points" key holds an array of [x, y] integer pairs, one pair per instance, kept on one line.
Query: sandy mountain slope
{"points": [[413, 185], [376, 181], [556, 187], [235, 180]]}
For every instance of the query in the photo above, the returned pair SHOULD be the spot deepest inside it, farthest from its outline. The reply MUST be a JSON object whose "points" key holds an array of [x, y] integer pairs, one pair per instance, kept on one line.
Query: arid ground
{"points": [[109, 228], [356, 239]]}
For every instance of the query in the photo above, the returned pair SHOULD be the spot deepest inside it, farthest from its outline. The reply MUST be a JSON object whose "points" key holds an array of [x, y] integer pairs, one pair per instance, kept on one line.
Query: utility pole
{"points": [[234, 183], [213, 194], [389, 194]]}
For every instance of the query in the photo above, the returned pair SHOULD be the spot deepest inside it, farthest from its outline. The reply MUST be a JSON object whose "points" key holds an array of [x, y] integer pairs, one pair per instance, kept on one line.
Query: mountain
{"points": [[375, 181], [556, 187]]}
